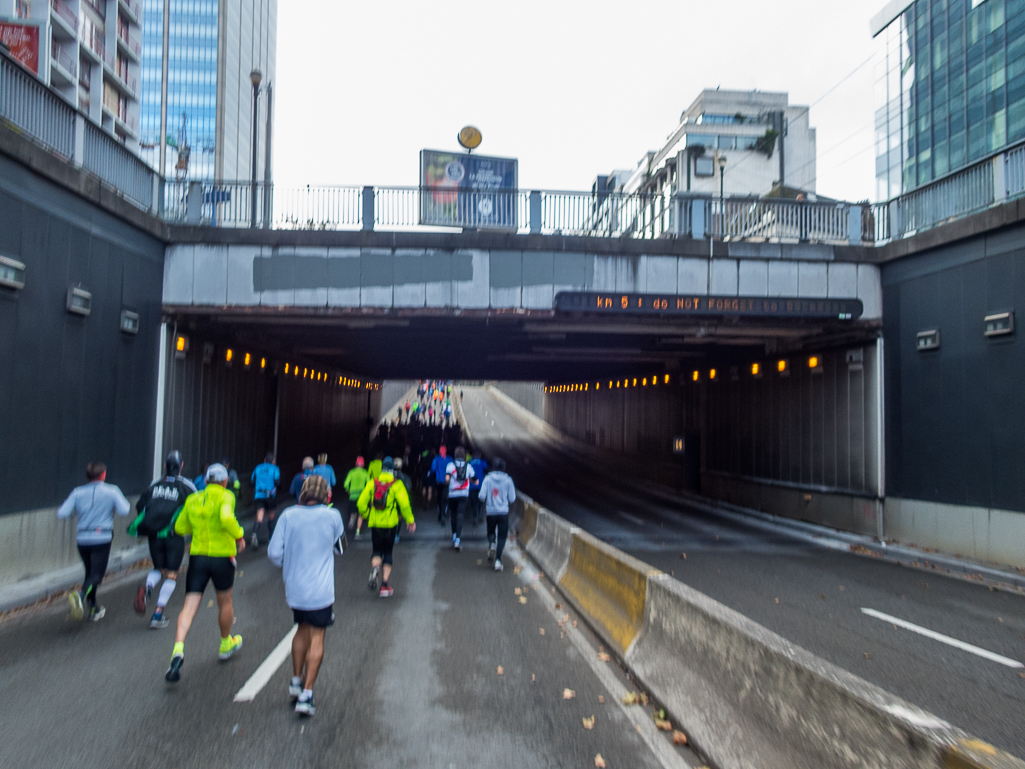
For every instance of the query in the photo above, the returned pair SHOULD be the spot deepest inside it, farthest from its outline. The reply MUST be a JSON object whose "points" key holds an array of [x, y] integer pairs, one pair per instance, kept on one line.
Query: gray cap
{"points": [[217, 473]]}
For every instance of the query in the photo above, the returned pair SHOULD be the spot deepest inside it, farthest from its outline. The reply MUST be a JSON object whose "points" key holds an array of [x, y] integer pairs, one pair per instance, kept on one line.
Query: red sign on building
{"points": [[22, 40]]}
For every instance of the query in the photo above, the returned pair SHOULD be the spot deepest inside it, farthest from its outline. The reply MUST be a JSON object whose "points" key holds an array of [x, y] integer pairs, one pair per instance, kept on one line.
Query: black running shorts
{"points": [[167, 552], [204, 568], [383, 541], [317, 618]]}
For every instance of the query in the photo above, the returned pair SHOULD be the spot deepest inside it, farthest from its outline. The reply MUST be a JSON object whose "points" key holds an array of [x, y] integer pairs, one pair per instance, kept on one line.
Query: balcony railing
{"points": [[93, 40], [133, 7], [130, 43], [64, 58], [64, 11]]}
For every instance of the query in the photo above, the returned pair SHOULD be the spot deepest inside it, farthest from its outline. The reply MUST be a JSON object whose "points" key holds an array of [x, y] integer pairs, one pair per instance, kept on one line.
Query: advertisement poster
{"points": [[471, 191], [22, 40]]}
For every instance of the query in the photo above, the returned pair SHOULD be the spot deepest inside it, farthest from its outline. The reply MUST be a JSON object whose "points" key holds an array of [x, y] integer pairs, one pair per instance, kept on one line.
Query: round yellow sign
{"points": [[470, 137]]}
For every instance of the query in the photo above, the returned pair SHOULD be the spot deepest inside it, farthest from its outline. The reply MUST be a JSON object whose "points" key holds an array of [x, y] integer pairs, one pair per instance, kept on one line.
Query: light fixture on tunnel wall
{"points": [[286, 368], [815, 364], [129, 322], [181, 346], [635, 381], [696, 376], [711, 374], [228, 355], [783, 367], [247, 360], [12, 273], [667, 379], [756, 370], [263, 363], [79, 302], [999, 324]]}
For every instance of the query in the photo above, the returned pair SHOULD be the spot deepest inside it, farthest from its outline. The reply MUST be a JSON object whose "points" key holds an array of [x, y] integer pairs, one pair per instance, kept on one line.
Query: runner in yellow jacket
{"points": [[380, 504], [209, 516]]}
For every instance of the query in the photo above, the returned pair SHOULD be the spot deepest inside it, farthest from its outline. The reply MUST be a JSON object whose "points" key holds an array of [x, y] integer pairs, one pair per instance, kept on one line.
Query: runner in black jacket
{"points": [[158, 508]]}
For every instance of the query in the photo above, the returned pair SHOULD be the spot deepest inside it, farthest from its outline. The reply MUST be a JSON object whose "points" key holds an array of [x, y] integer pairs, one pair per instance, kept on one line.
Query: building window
{"points": [[22, 9]]}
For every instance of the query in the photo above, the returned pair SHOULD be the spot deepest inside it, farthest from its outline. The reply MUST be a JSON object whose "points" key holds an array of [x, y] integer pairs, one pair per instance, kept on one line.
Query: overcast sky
{"points": [[572, 89]]}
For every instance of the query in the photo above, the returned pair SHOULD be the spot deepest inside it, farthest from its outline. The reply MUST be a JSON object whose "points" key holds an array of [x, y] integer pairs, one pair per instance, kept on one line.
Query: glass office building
{"points": [[213, 45], [950, 87]]}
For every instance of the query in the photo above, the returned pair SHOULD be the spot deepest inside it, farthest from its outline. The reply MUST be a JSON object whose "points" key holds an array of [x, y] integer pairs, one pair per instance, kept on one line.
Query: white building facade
{"points": [[90, 53], [734, 142]]}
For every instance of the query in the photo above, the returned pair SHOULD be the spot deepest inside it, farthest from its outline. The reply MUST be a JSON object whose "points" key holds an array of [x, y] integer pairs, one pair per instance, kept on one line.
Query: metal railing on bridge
{"points": [[41, 115]]}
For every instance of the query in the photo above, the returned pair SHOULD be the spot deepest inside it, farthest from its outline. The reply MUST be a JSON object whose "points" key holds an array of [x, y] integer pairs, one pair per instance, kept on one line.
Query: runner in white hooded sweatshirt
{"points": [[497, 491]]}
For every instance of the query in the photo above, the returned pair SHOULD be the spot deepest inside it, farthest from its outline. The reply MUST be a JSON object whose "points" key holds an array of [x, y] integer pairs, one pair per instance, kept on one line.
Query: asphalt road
{"points": [[410, 681], [803, 591]]}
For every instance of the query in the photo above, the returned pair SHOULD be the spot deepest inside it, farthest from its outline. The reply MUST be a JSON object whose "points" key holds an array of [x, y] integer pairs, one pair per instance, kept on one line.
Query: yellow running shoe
{"points": [[229, 646]]}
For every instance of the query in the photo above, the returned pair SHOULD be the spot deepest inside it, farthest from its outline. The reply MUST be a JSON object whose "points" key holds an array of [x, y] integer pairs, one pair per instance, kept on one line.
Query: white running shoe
{"points": [[295, 687], [498, 565]]}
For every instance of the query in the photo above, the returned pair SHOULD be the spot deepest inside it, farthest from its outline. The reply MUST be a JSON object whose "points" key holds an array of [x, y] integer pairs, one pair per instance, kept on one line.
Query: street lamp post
{"points": [[722, 202], [255, 76]]}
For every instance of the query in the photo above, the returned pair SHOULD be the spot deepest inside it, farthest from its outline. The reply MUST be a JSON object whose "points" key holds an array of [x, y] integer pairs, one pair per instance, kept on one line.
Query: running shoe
{"points": [[491, 552], [75, 599], [305, 707], [96, 613], [234, 643], [358, 535], [456, 543], [174, 670], [142, 598], [498, 565], [387, 591], [158, 621], [295, 687], [255, 541], [374, 583]]}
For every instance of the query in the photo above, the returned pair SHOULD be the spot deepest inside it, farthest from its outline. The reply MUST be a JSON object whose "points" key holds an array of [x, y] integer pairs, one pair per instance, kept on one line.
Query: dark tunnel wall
{"points": [[214, 409]]}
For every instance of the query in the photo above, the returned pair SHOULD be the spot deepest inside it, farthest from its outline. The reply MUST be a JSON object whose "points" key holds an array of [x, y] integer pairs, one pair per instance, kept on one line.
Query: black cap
{"points": [[173, 463]]}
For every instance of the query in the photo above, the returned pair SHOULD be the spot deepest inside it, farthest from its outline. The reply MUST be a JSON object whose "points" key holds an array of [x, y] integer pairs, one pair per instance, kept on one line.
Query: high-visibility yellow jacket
{"points": [[374, 468], [209, 516], [397, 502], [356, 481]]}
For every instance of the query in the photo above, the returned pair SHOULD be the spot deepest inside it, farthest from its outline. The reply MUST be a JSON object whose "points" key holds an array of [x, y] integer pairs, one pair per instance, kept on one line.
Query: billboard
{"points": [[471, 191], [22, 40]]}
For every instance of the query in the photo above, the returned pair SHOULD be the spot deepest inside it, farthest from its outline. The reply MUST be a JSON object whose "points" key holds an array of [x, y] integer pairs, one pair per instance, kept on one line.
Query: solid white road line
{"points": [[656, 741], [943, 638], [267, 668]]}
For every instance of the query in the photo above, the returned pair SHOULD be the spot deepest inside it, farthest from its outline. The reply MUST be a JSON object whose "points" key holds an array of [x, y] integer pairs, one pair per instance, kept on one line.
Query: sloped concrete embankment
{"points": [[746, 696]]}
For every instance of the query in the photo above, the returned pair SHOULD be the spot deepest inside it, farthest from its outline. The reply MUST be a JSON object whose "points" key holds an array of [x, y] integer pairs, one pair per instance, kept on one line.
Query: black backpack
{"points": [[460, 470]]}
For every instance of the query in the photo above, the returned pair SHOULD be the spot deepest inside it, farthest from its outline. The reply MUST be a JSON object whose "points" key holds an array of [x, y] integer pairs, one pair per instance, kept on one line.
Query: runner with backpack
{"points": [[158, 508], [458, 474], [381, 503]]}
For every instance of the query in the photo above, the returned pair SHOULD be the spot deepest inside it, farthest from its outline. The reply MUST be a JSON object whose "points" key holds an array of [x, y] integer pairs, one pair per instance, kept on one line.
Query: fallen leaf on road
{"points": [[533, 677], [631, 698], [841, 587], [568, 694], [679, 738], [588, 723], [541, 631], [868, 656], [523, 599], [210, 604], [823, 596], [603, 657], [479, 562], [638, 728], [599, 762], [558, 606], [517, 569], [501, 670], [601, 699], [518, 591], [683, 556], [665, 726], [574, 623], [777, 600]]}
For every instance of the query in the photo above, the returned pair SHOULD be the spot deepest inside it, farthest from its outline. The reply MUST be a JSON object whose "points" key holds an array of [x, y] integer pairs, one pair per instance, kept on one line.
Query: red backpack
{"points": [[381, 490]]}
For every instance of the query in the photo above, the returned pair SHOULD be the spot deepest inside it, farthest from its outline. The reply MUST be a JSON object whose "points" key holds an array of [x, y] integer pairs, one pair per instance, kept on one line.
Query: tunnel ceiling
{"points": [[543, 346]]}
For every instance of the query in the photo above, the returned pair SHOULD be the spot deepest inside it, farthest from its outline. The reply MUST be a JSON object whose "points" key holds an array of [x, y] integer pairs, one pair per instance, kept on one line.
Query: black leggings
{"points": [[501, 523], [95, 558], [456, 509]]}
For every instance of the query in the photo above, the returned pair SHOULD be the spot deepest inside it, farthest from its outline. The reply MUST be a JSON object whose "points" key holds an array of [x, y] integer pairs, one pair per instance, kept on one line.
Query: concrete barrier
{"points": [[746, 696], [608, 587]]}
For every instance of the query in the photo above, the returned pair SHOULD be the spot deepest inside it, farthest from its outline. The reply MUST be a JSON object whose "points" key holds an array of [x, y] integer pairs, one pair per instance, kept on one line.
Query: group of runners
{"points": [[302, 540]]}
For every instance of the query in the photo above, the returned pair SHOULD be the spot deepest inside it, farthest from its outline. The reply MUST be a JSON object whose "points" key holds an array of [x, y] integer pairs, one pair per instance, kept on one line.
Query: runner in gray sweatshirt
{"points": [[94, 504], [303, 545], [497, 491]]}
